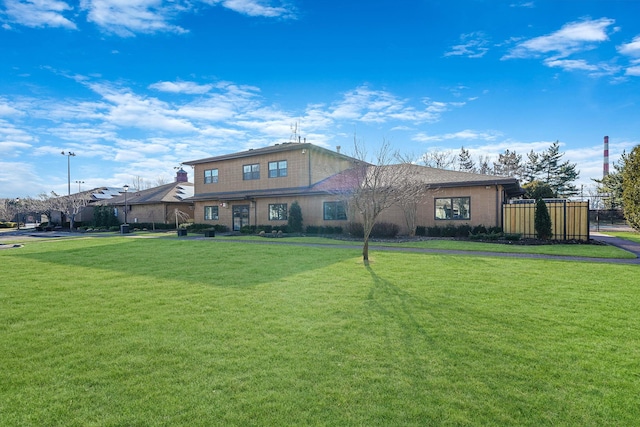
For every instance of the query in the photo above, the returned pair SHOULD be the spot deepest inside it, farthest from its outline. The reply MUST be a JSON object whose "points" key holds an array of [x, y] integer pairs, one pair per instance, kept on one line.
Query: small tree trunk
{"points": [[365, 250]]}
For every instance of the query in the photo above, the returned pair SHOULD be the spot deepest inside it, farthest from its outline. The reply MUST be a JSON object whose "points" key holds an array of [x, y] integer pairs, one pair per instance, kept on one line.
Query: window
{"points": [[453, 208], [334, 211], [277, 169], [278, 212], [210, 176], [210, 213], [251, 172]]}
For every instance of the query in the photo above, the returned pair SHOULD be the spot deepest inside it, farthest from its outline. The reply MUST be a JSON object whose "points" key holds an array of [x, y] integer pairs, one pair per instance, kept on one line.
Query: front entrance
{"points": [[240, 216]]}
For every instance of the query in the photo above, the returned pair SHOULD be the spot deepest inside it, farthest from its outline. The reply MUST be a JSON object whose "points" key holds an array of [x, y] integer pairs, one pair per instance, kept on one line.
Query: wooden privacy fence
{"points": [[569, 220]]}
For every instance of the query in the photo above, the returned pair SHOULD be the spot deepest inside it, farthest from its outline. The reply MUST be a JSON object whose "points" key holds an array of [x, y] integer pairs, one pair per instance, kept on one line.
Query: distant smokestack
{"points": [[338, 148], [605, 166]]}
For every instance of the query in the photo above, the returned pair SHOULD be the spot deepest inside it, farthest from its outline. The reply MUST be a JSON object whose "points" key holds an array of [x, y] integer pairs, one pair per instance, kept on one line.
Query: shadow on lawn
{"points": [[223, 264]]}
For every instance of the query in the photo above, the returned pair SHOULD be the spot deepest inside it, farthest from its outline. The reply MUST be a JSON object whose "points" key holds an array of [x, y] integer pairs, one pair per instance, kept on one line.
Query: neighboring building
{"points": [[155, 205], [257, 187]]}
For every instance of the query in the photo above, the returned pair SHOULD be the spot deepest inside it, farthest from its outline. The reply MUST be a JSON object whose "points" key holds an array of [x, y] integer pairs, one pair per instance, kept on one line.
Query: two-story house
{"points": [[257, 187]]}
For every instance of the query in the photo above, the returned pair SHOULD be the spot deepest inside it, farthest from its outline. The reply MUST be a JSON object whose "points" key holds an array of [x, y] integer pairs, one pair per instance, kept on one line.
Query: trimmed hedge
{"points": [[381, 230]]}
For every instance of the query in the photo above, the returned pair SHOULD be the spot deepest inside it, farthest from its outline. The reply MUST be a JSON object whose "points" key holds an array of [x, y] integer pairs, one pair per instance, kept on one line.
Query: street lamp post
{"points": [[18, 213], [126, 189], [69, 154], [79, 182]]}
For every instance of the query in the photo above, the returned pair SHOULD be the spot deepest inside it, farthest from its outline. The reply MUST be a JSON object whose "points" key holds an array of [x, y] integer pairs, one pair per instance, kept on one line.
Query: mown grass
{"points": [[121, 331], [579, 250]]}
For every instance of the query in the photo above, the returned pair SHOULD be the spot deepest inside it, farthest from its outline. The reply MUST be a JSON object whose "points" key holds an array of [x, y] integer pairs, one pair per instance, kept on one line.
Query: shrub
{"points": [[421, 230], [295, 218], [384, 230], [542, 221], [314, 229]]}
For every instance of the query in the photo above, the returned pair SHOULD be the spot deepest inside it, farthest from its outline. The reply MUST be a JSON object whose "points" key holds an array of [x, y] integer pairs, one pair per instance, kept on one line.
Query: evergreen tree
{"points": [[465, 162], [547, 167], [631, 188], [542, 221], [611, 185], [509, 164], [294, 220]]}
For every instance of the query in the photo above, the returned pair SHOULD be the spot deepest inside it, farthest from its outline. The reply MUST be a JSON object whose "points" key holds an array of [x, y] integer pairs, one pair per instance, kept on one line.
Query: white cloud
{"points": [[127, 18], [571, 38], [466, 134], [255, 8], [472, 45], [632, 48], [189, 88], [571, 64], [39, 13]]}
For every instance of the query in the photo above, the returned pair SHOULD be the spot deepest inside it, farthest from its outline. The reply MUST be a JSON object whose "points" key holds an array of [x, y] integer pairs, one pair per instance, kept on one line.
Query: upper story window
{"points": [[334, 211], [453, 208], [210, 176], [277, 169], [251, 171]]}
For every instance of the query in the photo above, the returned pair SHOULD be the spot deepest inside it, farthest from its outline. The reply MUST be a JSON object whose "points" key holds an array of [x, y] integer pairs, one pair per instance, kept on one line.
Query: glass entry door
{"points": [[240, 216]]}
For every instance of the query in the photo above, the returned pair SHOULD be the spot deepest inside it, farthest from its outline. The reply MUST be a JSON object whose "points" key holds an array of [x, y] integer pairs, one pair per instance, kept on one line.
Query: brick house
{"points": [[256, 187]]}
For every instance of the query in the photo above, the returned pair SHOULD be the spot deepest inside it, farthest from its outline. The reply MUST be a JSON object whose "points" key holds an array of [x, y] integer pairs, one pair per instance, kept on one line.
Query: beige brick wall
{"points": [[304, 168], [486, 208]]}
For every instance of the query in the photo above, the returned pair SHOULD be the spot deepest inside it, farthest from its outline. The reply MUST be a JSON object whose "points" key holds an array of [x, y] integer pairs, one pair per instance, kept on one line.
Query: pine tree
{"points": [[509, 164], [465, 162], [542, 221]]}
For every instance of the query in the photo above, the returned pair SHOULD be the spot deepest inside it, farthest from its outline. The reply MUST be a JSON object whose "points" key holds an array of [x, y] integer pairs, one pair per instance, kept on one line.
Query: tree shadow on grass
{"points": [[222, 264]]}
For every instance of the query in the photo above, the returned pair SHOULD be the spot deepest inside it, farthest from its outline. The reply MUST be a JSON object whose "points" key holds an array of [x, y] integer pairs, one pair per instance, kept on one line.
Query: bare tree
{"points": [[70, 205], [373, 188], [439, 159]]}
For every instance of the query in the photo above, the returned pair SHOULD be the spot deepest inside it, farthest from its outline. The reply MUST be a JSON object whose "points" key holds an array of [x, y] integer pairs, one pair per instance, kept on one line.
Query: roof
{"points": [[169, 193], [277, 148]]}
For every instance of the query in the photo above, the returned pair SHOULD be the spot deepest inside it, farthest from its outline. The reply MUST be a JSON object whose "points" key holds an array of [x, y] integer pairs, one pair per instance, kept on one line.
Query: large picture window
{"points": [[210, 176], [453, 208], [251, 172], [210, 213], [334, 211], [277, 169], [278, 212]]}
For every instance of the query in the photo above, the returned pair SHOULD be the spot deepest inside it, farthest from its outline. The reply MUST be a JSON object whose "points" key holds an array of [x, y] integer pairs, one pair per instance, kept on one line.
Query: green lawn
{"points": [[579, 250], [121, 331]]}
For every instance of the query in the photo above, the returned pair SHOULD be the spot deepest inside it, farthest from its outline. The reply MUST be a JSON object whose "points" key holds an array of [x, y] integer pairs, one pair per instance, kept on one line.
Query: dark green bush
{"points": [[319, 230], [381, 230], [542, 221], [295, 218], [421, 230]]}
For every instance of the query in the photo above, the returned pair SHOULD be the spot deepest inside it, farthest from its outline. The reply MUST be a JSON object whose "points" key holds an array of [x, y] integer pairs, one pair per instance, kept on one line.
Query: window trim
{"points": [[286, 212], [254, 172], [338, 213], [451, 204], [215, 213], [280, 172], [213, 178]]}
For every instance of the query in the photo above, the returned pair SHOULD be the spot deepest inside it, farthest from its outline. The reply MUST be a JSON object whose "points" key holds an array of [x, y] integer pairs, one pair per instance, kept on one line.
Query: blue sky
{"points": [[136, 87]]}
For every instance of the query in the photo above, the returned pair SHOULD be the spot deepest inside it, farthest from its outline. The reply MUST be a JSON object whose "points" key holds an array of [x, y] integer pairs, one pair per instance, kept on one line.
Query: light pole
{"points": [[126, 189], [18, 213], [79, 182], [68, 154]]}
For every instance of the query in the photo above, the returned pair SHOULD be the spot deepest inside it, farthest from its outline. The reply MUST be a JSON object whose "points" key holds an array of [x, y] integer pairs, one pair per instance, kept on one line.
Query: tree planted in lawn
{"points": [[371, 188]]}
